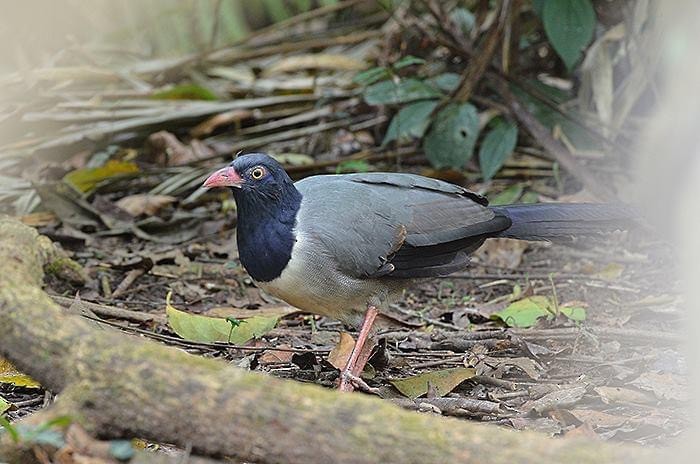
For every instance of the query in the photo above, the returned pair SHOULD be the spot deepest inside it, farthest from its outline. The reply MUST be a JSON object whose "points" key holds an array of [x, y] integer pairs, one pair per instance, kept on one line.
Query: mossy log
{"points": [[119, 386]]}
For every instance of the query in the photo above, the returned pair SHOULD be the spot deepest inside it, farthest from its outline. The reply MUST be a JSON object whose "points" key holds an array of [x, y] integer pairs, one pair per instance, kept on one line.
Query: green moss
{"points": [[65, 268]]}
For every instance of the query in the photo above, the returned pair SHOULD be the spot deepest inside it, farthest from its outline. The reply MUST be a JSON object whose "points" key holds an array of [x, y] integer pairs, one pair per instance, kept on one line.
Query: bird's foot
{"points": [[350, 382]]}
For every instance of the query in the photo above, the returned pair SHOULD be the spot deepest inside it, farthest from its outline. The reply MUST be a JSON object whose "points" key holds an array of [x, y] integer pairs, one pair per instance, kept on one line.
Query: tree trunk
{"points": [[117, 385]]}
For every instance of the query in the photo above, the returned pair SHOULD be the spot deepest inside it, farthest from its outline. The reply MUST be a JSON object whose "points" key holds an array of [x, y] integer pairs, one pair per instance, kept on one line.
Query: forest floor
{"points": [[615, 372]]}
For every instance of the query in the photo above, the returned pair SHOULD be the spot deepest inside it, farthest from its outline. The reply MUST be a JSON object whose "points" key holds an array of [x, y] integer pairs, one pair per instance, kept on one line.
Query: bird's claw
{"points": [[350, 382]]}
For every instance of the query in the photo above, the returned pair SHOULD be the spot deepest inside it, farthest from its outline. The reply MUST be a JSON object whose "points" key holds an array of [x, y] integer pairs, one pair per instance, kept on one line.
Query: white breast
{"points": [[312, 283]]}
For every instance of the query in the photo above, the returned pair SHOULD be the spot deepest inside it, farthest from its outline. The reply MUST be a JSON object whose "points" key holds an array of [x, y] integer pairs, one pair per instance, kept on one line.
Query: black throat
{"points": [[265, 230]]}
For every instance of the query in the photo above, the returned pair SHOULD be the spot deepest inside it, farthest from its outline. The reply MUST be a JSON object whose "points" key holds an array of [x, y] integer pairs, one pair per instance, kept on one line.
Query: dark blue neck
{"points": [[265, 231]]}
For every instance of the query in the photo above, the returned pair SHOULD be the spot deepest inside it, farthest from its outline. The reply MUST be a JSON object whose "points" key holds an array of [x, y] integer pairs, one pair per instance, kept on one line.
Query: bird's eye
{"points": [[257, 173]]}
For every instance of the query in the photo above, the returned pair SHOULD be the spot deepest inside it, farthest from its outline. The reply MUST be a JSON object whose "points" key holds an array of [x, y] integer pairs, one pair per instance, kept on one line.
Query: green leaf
{"points": [[497, 146], [451, 140], [4, 405], [410, 122], [407, 90], [575, 313], [11, 429], [214, 329], [353, 166], [569, 25], [408, 60], [463, 18], [508, 196], [86, 179], [526, 312], [579, 137], [447, 82], [185, 92], [371, 76], [443, 381]]}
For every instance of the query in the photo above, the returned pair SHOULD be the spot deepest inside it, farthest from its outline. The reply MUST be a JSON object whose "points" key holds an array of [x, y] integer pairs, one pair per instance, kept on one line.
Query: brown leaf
{"points": [[612, 395], [144, 203], [502, 252], [441, 382], [340, 354], [208, 126], [275, 356], [665, 386], [598, 418], [556, 399], [167, 150]]}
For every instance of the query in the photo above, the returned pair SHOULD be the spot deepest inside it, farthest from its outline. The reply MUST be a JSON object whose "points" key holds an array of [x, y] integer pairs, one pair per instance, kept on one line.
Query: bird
{"points": [[346, 245]]}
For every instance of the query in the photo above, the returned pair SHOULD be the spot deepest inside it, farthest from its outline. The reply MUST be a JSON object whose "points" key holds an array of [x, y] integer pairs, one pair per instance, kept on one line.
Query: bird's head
{"points": [[254, 178], [251, 173]]}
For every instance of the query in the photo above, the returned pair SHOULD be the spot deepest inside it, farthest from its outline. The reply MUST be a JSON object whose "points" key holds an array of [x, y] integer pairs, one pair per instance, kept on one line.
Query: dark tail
{"points": [[562, 221]]}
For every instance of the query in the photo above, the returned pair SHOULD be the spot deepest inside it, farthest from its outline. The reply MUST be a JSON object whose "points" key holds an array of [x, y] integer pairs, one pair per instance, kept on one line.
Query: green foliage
{"points": [[526, 312], [497, 146], [403, 91], [569, 25], [43, 434], [214, 329], [451, 139], [186, 92], [410, 122], [353, 166]]}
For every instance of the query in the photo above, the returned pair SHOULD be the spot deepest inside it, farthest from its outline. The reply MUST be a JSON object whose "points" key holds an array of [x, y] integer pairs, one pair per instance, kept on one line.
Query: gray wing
{"points": [[395, 225]]}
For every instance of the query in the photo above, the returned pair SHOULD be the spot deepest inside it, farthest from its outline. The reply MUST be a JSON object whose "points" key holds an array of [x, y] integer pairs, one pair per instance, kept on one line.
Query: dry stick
{"points": [[287, 47], [129, 279], [110, 311], [122, 386], [473, 73], [554, 146]]}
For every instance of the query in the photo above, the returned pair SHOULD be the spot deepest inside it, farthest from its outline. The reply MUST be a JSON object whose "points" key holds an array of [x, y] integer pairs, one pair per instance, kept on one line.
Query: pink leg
{"points": [[360, 353]]}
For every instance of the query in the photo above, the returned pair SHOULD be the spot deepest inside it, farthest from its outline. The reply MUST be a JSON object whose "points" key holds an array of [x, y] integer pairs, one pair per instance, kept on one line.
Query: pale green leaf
{"points": [[443, 381], [575, 313], [4, 405], [526, 312], [569, 25], [497, 146], [451, 139], [213, 329]]}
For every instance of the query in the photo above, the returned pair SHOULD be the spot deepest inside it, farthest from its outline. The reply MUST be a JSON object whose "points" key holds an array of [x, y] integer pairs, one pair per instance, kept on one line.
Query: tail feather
{"points": [[563, 221]]}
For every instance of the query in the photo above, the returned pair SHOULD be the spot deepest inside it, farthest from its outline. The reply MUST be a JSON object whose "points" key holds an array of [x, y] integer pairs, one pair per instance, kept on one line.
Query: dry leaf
{"points": [[340, 354], [442, 381], [208, 126], [315, 61], [144, 203]]}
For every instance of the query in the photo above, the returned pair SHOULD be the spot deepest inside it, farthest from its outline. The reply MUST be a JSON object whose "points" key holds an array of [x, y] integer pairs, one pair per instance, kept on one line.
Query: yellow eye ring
{"points": [[257, 173]]}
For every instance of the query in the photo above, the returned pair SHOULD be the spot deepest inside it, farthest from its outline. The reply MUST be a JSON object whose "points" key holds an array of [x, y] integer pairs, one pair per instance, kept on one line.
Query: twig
{"points": [[110, 311], [129, 279], [482, 57]]}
